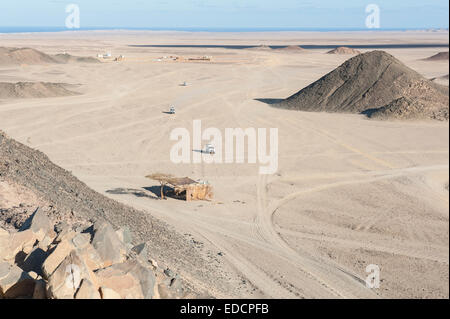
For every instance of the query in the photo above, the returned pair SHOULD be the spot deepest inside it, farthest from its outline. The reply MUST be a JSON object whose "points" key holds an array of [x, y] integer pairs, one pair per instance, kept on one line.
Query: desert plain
{"points": [[349, 191]]}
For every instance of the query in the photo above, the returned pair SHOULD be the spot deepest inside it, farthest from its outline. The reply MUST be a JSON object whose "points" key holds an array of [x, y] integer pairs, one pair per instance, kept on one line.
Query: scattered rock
{"points": [[108, 293], [38, 222], [34, 260], [14, 282], [108, 245], [87, 290], [40, 291], [17, 242], [68, 276]]}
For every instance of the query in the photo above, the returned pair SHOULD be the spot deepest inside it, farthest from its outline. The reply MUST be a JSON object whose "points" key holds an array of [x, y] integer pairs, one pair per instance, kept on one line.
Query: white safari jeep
{"points": [[210, 149]]}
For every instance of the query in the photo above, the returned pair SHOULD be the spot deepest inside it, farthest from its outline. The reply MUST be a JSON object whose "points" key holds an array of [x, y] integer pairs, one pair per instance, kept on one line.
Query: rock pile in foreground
{"points": [[46, 261], [35, 181]]}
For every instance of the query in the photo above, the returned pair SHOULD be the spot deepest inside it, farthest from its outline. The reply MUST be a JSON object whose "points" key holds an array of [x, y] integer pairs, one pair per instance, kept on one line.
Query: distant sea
{"points": [[194, 29]]}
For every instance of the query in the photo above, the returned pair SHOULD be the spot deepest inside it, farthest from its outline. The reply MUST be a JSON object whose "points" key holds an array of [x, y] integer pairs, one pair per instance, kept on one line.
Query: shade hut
{"points": [[183, 187]]}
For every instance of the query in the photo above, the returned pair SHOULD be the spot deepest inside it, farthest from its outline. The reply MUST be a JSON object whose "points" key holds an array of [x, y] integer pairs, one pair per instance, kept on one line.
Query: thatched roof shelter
{"points": [[183, 186], [171, 180]]}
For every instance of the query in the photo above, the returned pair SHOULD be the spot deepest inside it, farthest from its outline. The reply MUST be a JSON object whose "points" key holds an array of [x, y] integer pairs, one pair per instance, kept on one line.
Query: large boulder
{"points": [[108, 293], [67, 278], [34, 261], [39, 224], [108, 244], [57, 255], [14, 282], [40, 291], [129, 279], [11, 245]]}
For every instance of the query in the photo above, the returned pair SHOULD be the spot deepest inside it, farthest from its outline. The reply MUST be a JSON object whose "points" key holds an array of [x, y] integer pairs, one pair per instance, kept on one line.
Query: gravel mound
{"points": [[367, 82], [343, 50], [33, 90], [441, 56], [19, 56]]}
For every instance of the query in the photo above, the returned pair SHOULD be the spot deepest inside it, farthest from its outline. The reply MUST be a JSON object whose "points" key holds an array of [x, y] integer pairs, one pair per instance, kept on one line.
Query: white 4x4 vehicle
{"points": [[210, 149]]}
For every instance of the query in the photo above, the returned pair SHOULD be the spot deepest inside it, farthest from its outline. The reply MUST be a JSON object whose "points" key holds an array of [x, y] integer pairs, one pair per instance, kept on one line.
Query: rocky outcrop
{"points": [[23, 90], [42, 260], [29, 56], [343, 50], [371, 81], [441, 56], [28, 180]]}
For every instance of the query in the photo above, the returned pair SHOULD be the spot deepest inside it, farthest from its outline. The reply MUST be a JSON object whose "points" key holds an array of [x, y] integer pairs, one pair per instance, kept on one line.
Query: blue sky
{"points": [[226, 13]]}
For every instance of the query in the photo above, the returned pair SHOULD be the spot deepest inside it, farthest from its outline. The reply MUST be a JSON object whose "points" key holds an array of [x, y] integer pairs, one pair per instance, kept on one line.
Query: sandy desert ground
{"points": [[349, 191]]}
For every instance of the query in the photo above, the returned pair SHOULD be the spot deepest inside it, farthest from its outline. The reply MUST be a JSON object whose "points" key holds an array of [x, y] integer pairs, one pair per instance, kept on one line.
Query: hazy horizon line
{"points": [[33, 29]]}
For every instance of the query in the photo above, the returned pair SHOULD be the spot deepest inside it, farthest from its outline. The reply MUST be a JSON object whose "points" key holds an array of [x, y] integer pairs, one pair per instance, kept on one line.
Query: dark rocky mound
{"points": [[367, 82], [408, 109], [67, 58], [33, 90], [343, 50], [19, 56], [441, 56]]}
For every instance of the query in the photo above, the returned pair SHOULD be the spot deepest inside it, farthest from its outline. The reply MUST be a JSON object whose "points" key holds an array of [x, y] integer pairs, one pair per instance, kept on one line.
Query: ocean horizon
{"points": [[25, 29]]}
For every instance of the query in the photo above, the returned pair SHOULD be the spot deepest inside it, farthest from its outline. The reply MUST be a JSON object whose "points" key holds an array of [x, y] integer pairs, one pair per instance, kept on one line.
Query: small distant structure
{"points": [[203, 58], [119, 58], [183, 188], [107, 55], [172, 110], [184, 83]]}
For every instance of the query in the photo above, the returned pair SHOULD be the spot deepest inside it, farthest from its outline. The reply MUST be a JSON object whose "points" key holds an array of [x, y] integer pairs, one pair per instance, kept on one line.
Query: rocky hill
{"points": [[33, 90], [369, 81], [19, 56], [67, 58], [344, 50]]}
